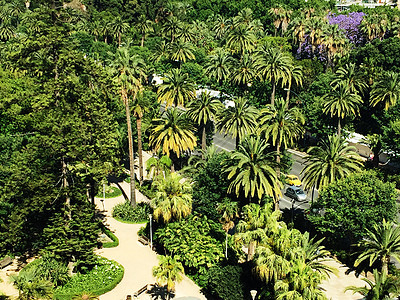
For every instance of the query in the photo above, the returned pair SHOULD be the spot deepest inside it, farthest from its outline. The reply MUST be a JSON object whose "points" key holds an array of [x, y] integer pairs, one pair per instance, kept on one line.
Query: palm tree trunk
{"points": [[278, 160], [130, 145], [385, 262], [226, 245], [250, 252], [140, 152], [287, 96], [339, 128], [142, 41], [273, 92], [203, 139]]}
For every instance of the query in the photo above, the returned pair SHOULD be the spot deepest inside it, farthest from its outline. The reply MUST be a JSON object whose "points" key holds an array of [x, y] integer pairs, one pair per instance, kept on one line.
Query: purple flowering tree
{"points": [[350, 24]]}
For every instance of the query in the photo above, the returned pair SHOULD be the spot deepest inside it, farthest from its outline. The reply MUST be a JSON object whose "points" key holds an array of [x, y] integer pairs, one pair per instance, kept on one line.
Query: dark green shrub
{"points": [[52, 270], [225, 282], [126, 213], [115, 241]]}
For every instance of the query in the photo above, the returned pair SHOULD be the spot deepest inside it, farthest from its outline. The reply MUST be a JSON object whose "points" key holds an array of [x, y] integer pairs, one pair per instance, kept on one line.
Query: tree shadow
{"points": [[160, 293]]}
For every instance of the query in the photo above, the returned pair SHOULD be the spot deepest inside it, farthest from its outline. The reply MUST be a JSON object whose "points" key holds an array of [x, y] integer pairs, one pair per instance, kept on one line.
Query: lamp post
{"points": [[253, 294], [104, 195], [151, 231]]}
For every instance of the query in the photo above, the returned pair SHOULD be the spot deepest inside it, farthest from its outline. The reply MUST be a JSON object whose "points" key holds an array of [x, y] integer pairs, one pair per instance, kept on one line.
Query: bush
{"points": [[126, 213], [225, 282], [49, 269], [115, 241], [111, 192], [105, 275]]}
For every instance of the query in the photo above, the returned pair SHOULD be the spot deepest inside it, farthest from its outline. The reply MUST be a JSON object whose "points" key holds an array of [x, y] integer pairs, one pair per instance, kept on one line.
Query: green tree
{"points": [[348, 75], [273, 65], [383, 287], [238, 121], [380, 244], [240, 39], [177, 89], [202, 111], [130, 71], [172, 133], [143, 27], [341, 102], [229, 211], [250, 170], [155, 165], [329, 162], [31, 287], [168, 271], [281, 124], [386, 90], [352, 205], [218, 65], [181, 51], [118, 27], [173, 199]]}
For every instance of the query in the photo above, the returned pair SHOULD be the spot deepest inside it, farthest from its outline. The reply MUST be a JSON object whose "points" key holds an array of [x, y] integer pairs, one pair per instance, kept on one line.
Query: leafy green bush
{"points": [[225, 282], [197, 242], [126, 213], [111, 192], [115, 241], [105, 275]]}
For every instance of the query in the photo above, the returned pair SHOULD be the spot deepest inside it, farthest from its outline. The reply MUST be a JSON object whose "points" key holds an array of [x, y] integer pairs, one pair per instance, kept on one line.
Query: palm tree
{"points": [[143, 27], [238, 121], [281, 124], [333, 42], [187, 33], [329, 162], [273, 65], [243, 71], [250, 229], [168, 271], [181, 51], [173, 133], [341, 102], [229, 211], [171, 27], [384, 287], [196, 162], [218, 65], [221, 26], [250, 171], [240, 39], [349, 75], [177, 89], [386, 90], [30, 286], [203, 110], [118, 27], [296, 76], [130, 73], [380, 243], [299, 31], [155, 165], [173, 200]]}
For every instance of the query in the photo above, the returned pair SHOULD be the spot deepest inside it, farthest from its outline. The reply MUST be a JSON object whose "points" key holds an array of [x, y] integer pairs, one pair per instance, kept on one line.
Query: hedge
{"points": [[115, 241]]}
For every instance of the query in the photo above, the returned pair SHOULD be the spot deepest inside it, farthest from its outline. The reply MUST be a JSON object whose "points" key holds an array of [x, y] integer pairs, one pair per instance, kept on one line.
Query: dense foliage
{"points": [[126, 213]]}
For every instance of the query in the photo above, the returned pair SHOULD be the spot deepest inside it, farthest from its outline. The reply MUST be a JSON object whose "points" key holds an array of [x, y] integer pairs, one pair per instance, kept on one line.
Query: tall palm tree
{"points": [[168, 271], [229, 211], [173, 200], [296, 77], [340, 102], [143, 27], [281, 124], [380, 244], [130, 72], [384, 287], [299, 31], [203, 110], [172, 133], [251, 229], [243, 71], [250, 170], [187, 33], [118, 27], [171, 27], [386, 90], [220, 26], [218, 65], [240, 39], [351, 77], [238, 121], [273, 65], [333, 42], [329, 162], [177, 89], [181, 51]]}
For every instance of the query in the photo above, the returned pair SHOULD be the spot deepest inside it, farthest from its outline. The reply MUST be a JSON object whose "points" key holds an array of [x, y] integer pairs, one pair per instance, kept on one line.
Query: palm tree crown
{"points": [[329, 162], [386, 90], [168, 271]]}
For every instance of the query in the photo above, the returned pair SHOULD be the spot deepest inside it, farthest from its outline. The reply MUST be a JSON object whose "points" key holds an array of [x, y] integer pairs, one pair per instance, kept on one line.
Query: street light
{"points": [[151, 231], [253, 294]]}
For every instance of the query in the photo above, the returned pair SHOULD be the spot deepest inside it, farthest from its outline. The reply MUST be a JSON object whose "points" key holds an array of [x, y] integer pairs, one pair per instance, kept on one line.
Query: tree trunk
{"points": [[65, 187], [119, 40], [288, 96], [339, 128], [385, 262], [142, 41], [226, 245], [251, 250], [237, 142], [203, 139], [273, 92], [130, 144], [92, 190], [375, 160], [140, 152], [278, 160]]}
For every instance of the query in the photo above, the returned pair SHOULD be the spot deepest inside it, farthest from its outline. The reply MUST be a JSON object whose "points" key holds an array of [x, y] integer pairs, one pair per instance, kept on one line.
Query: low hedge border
{"points": [[115, 240], [98, 292]]}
